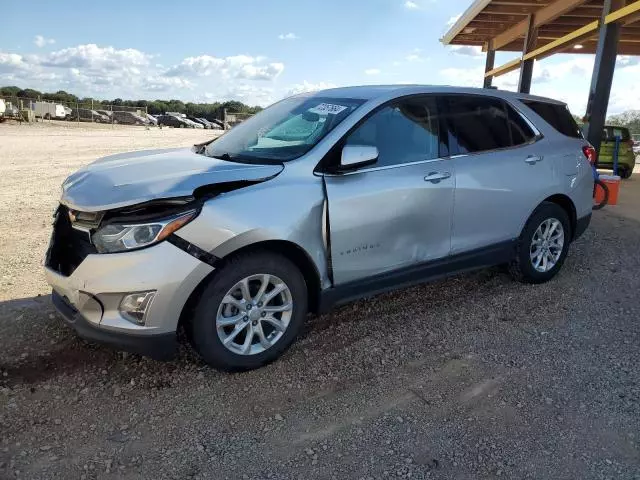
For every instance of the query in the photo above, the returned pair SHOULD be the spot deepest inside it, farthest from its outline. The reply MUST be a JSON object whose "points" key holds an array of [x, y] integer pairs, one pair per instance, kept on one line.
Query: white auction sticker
{"points": [[327, 108]]}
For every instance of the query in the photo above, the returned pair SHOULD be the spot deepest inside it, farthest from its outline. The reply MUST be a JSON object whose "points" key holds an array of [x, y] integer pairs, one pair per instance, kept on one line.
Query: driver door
{"points": [[396, 213]]}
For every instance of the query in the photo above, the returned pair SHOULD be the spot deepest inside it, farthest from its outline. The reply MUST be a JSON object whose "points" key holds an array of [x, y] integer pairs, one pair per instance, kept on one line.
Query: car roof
{"points": [[371, 92]]}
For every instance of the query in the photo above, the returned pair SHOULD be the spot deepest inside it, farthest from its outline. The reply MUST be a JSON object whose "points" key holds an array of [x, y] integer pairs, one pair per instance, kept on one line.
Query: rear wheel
{"points": [[625, 172], [543, 245], [250, 312]]}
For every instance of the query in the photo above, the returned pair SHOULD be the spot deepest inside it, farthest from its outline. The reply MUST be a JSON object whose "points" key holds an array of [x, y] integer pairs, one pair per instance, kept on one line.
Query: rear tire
{"points": [[223, 300], [625, 172], [529, 265]]}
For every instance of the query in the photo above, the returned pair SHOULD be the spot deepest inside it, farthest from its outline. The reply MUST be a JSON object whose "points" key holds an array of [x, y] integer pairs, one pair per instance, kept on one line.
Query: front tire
{"points": [[543, 245], [250, 312]]}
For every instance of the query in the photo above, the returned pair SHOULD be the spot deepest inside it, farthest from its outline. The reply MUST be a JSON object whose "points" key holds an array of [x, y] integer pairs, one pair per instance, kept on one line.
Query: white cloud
{"points": [[309, 87], [10, 62], [94, 57], [451, 22], [372, 71], [288, 36], [624, 61], [40, 41], [163, 84], [464, 77], [413, 57], [411, 5], [467, 50], [97, 71], [239, 67]]}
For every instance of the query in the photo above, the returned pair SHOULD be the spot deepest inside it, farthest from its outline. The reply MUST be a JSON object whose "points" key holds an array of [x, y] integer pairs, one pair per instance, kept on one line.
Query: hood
{"points": [[131, 178]]}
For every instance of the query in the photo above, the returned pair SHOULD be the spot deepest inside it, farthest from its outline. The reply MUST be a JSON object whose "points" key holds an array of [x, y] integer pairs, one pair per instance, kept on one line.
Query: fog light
{"points": [[133, 307]]}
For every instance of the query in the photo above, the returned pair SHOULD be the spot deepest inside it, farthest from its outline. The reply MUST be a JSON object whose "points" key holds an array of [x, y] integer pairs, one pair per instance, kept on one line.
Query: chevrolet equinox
{"points": [[320, 199]]}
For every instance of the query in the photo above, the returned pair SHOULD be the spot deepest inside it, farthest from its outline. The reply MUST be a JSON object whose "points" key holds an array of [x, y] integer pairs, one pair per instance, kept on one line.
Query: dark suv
{"points": [[173, 121]]}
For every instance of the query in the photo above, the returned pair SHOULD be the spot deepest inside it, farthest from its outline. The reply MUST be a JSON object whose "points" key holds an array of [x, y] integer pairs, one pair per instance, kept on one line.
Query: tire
{"points": [[203, 329], [625, 172], [523, 268], [605, 198], [47, 116]]}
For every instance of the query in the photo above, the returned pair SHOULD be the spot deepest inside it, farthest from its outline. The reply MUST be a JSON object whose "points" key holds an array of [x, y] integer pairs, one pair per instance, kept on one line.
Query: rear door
{"points": [[395, 213], [501, 172]]}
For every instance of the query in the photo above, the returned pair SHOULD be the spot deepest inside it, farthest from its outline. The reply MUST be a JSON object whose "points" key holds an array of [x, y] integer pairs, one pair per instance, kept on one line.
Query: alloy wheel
{"points": [[254, 314], [546, 245]]}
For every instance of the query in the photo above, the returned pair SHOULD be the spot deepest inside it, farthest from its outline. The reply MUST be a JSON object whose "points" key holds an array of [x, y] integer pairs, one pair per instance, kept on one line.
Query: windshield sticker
{"points": [[327, 108]]}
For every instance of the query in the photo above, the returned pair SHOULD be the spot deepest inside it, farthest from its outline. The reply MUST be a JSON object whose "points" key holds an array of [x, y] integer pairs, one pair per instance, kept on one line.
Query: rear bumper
{"points": [[581, 225], [157, 346]]}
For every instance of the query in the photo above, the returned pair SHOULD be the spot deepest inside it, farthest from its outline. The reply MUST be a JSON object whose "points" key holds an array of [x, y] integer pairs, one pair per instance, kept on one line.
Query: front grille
{"points": [[68, 247]]}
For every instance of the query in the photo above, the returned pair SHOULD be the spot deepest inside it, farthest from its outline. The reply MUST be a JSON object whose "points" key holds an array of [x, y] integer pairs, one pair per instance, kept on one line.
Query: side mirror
{"points": [[354, 156]]}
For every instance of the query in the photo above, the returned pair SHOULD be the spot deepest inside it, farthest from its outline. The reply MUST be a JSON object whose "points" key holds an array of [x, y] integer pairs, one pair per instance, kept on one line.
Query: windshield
{"points": [[284, 131]]}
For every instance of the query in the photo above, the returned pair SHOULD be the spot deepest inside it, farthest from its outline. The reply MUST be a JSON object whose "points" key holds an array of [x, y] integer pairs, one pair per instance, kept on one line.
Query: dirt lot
{"points": [[472, 377]]}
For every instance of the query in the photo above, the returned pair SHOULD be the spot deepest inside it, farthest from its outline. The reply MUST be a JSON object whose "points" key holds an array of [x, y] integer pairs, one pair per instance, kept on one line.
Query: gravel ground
{"points": [[472, 377]]}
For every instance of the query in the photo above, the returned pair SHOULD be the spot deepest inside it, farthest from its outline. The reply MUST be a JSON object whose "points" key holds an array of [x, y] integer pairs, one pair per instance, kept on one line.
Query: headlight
{"points": [[119, 237]]}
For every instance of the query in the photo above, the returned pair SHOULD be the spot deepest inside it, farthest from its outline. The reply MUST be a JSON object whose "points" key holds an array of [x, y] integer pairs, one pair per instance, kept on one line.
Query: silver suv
{"points": [[320, 199]]}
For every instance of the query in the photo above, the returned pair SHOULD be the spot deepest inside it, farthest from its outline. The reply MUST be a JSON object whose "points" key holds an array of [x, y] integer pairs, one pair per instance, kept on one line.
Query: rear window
{"points": [[623, 133], [558, 116]]}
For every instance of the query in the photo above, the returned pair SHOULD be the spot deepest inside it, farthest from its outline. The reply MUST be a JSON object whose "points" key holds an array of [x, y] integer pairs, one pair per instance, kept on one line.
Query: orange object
{"points": [[613, 182]]}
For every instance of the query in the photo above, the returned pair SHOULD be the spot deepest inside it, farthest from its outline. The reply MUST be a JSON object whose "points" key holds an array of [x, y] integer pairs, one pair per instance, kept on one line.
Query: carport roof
{"points": [[505, 22]]}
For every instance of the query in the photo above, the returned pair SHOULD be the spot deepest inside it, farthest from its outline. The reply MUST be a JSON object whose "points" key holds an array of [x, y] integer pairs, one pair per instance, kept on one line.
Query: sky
{"points": [[259, 51]]}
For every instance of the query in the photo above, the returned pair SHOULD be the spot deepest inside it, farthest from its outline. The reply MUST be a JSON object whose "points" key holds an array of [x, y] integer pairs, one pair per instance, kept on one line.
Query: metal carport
{"points": [[541, 28]]}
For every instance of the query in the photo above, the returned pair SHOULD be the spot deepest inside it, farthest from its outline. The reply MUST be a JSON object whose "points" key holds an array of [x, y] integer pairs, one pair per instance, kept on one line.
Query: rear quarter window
{"points": [[623, 133], [556, 115]]}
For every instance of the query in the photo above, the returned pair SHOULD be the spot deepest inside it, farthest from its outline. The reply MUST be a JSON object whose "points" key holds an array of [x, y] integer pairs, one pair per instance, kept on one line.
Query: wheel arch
{"points": [[288, 249], [568, 206]]}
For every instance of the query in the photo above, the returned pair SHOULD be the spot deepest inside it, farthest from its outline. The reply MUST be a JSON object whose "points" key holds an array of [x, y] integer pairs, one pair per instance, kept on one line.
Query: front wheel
{"points": [[250, 312], [543, 245]]}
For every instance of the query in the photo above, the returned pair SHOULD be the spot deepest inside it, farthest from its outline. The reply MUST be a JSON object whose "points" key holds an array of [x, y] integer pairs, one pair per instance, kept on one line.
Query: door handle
{"points": [[533, 159], [435, 177]]}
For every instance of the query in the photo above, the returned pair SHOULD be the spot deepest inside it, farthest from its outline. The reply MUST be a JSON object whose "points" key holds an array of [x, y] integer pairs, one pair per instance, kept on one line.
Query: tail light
{"points": [[590, 153]]}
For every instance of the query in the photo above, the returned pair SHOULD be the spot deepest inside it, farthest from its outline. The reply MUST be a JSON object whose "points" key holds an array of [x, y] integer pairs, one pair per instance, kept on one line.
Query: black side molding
{"points": [[193, 250], [485, 257]]}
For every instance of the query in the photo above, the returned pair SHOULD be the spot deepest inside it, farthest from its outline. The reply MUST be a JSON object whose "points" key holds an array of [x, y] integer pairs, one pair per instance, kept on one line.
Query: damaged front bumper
{"points": [[89, 289], [158, 346]]}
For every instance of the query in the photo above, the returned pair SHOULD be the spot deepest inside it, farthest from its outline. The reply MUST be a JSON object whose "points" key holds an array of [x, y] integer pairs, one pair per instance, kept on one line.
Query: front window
{"points": [[284, 131]]}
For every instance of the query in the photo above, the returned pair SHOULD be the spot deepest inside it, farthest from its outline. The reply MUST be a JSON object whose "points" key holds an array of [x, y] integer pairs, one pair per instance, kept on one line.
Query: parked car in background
{"points": [[198, 121], [173, 121], [3, 107], [393, 186], [219, 123], [191, 123], [88, 115], [211, 125], [128, 118], [626, 156], [106, 113], [152, 120]]}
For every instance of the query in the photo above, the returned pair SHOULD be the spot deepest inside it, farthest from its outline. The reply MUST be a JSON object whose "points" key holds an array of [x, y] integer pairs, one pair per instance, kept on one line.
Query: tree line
{"points": [[153, 106]]}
